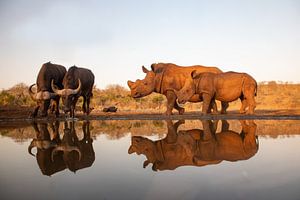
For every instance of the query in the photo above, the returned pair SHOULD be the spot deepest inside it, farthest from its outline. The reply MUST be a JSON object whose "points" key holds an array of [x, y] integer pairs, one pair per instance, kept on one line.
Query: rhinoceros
{"points": [[225, 87], [197, 147], [163, 78]]}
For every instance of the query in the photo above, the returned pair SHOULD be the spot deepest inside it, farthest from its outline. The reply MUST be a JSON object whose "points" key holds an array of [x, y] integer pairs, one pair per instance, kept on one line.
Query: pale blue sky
{"points": [[114, 38]]}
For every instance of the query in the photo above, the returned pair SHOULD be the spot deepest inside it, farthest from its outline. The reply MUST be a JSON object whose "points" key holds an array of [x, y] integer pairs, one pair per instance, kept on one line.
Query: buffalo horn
{"points": [[32, 94], [32, 144], [55, 90], [75, 91]]}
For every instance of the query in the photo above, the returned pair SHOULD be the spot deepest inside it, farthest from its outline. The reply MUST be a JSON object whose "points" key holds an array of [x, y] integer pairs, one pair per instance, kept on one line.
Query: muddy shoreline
{"points": [[16, 117]]}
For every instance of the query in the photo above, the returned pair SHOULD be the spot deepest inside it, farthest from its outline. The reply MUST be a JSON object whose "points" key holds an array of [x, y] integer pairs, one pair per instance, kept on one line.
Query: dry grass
{"points": [[270, 96]]}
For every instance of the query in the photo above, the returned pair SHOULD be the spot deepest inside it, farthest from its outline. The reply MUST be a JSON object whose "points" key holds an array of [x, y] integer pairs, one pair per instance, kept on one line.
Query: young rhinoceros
{"points": [[225, 87]]}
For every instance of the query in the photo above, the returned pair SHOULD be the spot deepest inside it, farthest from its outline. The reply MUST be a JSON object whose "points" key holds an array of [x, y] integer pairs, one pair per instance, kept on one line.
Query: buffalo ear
{"points": [[130, 83], [145, 70], [195, 74]]}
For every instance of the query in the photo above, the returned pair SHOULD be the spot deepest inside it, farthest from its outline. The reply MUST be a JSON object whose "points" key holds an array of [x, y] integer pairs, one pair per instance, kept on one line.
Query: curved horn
{"points": [[55, 89], [32, 144], [32, 94], [53, 153], [79, 152], [75, 91]]}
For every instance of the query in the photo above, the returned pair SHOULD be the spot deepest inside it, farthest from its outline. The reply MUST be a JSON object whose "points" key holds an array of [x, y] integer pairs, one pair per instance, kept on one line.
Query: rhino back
{"points": [[175, 76], [229, 86]]}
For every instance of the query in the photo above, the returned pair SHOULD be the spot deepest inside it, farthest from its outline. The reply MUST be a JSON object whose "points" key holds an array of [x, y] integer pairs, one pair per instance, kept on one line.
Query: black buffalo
{"points": [[55, 154], [77, 82], [44, 93]]}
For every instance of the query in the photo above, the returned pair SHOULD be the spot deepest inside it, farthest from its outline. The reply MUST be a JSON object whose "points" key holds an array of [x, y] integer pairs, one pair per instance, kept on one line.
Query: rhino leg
{"points": [[177, 107], [171, 100], [206, 103], [244, 105], [213, 107], [224, 105], [249, 96], [252, 105]]}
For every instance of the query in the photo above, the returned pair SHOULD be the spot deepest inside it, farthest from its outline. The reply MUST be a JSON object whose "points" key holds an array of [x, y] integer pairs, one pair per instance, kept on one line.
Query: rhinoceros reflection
{"points": [[55, 154], [197, 147]]}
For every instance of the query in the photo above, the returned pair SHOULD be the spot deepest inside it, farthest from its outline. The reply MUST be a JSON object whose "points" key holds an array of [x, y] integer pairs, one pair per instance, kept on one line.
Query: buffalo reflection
{"points": [[55, 154], [197, 147]]}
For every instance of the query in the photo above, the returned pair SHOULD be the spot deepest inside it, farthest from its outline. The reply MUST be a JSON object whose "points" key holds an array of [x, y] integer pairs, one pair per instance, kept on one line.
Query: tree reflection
{"points": [[197, 147], [55, 154]]}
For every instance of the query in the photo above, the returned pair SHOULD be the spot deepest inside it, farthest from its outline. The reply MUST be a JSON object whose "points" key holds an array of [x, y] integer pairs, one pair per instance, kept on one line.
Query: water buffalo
{"points": [[44, 93], [197, 147], [85, 145], [163, 78], [225, 87], [77, 82], [55, 154], [45, 142]]}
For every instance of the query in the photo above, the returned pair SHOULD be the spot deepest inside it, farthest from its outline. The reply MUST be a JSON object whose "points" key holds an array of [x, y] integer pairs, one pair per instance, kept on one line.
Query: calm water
{"points": [[151, 160]]}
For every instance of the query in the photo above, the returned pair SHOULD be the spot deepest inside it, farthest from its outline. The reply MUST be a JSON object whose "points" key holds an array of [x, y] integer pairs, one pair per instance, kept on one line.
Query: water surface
{"points": [[151, 160]]}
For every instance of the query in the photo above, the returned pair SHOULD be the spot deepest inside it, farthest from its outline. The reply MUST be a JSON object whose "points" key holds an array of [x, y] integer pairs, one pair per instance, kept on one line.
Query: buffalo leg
{"points": [[206, 103], [35, 111], [88, 100], [56, 104], [84, 109], [73, 106]]}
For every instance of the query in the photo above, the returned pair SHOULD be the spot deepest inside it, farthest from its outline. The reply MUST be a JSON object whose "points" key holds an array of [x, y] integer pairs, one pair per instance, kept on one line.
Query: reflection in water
{"points": [[196, 147], [55, 154]]}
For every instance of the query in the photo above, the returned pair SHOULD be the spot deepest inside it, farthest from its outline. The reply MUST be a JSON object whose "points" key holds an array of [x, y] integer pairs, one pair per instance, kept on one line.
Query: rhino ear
{"points": [[146, 163], [130, 83], [195, 74], [153, 67], [145, 70], [157, 68]]}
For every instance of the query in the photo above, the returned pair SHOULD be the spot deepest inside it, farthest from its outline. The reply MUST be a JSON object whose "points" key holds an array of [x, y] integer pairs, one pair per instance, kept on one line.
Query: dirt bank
{"points": [[21, 116]]}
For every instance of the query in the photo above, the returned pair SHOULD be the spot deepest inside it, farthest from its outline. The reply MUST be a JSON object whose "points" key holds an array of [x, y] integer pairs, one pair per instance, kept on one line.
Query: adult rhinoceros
{"points": [[164, 78], [225, 87], [197, 147]]}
